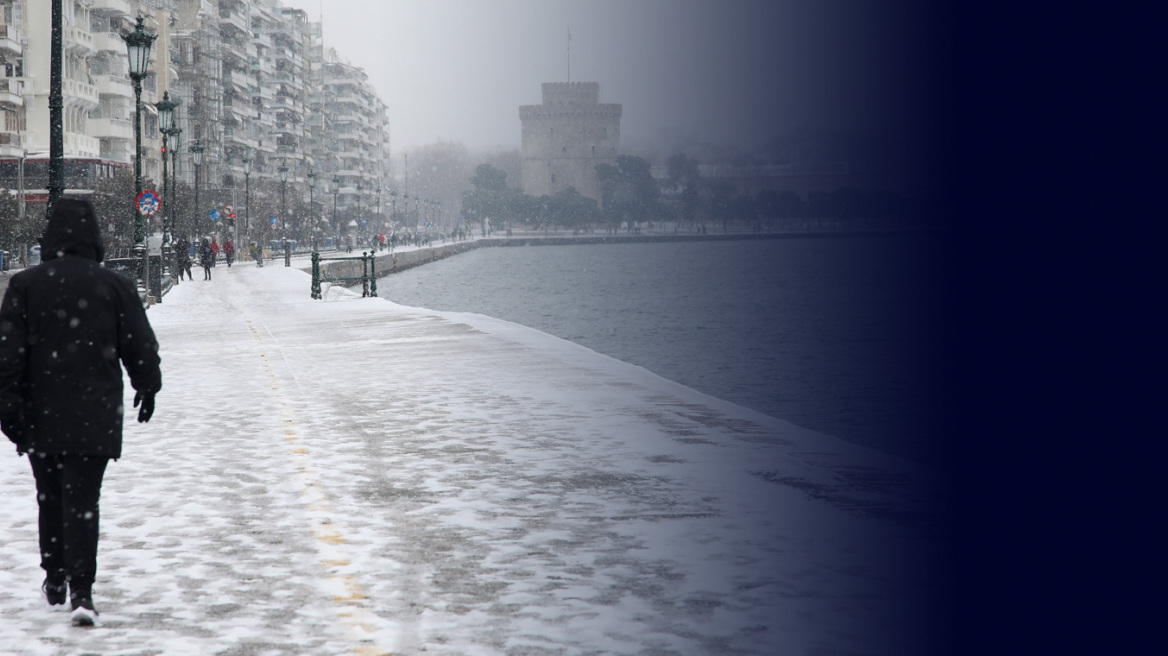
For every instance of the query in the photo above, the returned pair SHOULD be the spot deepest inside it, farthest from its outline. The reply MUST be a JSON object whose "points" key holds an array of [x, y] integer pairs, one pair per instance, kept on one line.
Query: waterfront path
{"points": [[354, 476]]}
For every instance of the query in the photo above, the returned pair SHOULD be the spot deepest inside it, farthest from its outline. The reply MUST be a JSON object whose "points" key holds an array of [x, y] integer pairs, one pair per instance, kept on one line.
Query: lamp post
{"points": [[284, 212], [247, 210], [197, 158], [138, 45], [165, 126], [360, 228], [176, 133], [336, 228], [311, 207], [392, 216]]}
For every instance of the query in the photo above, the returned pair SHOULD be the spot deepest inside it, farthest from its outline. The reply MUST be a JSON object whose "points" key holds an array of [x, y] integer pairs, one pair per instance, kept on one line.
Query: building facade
{"points": [[564, 139], [253, 79]]}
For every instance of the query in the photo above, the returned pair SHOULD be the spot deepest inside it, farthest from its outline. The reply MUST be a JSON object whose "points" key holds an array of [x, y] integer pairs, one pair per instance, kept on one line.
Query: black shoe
{"points": [[55, 593], [84, 614]]}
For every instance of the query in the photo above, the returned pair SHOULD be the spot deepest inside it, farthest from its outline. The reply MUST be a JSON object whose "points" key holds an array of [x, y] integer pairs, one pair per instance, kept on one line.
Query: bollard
{"points": [[364, 275], [372, 274], [315, 275]]}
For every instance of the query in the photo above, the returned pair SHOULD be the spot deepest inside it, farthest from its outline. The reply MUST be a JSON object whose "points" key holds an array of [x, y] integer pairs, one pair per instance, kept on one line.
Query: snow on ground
{"points": [[354, 476]]}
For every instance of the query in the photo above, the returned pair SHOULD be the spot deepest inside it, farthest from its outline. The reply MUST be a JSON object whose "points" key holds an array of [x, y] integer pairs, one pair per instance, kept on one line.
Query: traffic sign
{"points": [[227, 209], [148, 203], [215, 215], [273, 220]]}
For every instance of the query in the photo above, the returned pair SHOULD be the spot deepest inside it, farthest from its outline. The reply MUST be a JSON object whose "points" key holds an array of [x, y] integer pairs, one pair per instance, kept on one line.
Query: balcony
{"points": [[110, 128], [113, 85], [10, 40], [11, 144], [86, 93], [117, 150], [11, 93], [82, 145], [112, 7], [235, 20], [109, 42], [78, 40]]}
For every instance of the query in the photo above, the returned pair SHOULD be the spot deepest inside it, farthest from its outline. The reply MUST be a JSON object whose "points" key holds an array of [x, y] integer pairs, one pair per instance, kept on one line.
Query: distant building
{"points": [[566, 137]]}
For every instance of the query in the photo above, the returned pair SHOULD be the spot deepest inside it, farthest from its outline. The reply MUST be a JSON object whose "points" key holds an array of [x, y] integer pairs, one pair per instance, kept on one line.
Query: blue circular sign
{"points": [[362, 223], [214, 215], [273, 220]]}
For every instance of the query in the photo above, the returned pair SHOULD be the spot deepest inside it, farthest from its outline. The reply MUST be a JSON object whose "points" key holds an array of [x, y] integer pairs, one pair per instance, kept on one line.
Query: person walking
{"points": [[206, 258], [182, 255], [228, 251], [214, 251], [69, 325]]}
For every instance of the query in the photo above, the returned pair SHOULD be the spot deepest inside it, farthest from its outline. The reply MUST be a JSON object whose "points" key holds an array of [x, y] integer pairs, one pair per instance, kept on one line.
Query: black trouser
{"points": [[68, 488]]}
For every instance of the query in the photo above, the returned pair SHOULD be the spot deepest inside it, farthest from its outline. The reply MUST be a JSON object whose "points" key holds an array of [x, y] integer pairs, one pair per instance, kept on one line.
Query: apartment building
{"points": [[253, 79], [97, 95], [358, 156]]}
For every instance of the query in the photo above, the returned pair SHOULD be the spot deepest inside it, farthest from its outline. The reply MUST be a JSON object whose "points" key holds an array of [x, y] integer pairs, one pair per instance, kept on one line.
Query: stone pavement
{"points": [[353, 476]]}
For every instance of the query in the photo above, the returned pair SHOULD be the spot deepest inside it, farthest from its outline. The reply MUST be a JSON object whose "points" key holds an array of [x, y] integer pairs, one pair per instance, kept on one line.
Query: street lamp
{"points": [[336, 227], [165, 126], [138, 45], [361, 229], [176, 134], [247, 210], [284, 211], [380, 227], [197, 158], [311, 208]]}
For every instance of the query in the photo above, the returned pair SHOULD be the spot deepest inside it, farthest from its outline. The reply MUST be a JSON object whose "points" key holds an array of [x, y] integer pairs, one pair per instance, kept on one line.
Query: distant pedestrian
{"points": [[69, 325], [214, 251], [206, 258], [182, 255], [228, 251]]}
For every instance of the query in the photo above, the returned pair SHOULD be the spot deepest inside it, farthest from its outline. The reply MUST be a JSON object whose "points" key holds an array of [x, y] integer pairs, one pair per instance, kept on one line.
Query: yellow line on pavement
{"points": [[360, 624]]}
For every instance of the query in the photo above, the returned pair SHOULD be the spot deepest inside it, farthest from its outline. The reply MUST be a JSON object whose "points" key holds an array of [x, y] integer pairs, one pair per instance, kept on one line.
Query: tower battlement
{"points": [[583, 94]]}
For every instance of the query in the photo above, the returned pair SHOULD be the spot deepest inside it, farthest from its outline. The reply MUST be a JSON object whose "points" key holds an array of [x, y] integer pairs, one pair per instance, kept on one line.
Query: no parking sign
{"points": [[147, 202]]}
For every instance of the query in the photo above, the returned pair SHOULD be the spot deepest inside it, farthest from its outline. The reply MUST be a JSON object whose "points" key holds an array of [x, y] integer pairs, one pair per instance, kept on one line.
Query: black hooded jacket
{"points": [[67, 326]]}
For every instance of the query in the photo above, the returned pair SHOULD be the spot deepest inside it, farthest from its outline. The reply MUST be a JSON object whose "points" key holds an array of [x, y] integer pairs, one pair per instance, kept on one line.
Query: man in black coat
{"points": [[67, 326]]}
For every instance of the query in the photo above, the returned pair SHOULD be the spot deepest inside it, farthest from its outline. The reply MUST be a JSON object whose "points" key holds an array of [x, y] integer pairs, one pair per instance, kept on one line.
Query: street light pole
{"points": [[311, 208], [360, 229], [197, 158], [336, 228], [138, 45], [259, 254], [56, 182], [284, 212], [177, 134], [380, 226], [166, 126]]}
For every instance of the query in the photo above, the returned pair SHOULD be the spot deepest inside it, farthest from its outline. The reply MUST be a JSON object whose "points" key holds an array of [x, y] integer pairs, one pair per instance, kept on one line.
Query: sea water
{"points": [[844, 335]]}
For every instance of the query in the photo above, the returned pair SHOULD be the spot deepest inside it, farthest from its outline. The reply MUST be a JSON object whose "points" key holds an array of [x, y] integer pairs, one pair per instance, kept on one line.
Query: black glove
{"points": [[147, 409]]}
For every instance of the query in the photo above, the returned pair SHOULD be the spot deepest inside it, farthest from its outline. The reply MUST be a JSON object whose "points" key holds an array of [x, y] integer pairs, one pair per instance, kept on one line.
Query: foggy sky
{"points": [[727, 71]]}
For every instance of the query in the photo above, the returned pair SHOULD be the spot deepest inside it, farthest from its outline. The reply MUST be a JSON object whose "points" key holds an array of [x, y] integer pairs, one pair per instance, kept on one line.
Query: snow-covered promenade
{"points": [[350, 476]]}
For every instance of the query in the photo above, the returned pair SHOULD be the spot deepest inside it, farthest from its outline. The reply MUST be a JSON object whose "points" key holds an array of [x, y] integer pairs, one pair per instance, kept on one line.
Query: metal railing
{"points": [[368, 275]]}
